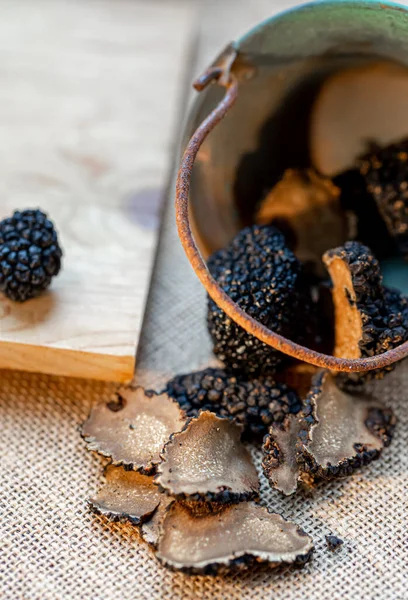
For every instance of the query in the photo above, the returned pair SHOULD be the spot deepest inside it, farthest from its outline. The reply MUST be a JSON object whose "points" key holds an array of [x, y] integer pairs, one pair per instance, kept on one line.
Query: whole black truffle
{"points": [[369, 318], [385, 171], [30, 255], [255, 404], [265, 279]]}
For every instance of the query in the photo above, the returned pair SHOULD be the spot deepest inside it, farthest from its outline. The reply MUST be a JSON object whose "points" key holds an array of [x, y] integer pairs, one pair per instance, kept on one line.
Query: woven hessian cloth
{"points": [[53, 548]]}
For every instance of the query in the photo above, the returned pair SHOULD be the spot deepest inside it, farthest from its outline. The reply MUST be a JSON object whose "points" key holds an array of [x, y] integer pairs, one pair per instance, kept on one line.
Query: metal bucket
{"points": [[252, 121]]}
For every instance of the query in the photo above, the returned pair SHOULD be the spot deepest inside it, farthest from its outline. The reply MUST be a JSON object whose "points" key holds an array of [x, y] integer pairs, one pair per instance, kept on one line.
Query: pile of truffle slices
{"points": [[179, 470]]}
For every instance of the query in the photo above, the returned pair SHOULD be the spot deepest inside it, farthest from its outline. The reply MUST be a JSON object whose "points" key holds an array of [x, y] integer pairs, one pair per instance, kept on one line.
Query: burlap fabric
{"points": [[53, 548]]}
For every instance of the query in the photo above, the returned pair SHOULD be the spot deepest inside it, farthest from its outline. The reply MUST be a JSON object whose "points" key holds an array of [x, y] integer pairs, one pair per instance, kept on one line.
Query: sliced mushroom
{"points": [[207, 461], [280, 455], [127, 495], [133, 428], [341, 431], [236, 537]]}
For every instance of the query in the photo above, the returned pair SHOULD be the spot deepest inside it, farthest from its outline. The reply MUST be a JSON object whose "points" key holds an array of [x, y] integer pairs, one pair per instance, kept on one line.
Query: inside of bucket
{"points": [[320, 114], [324, 92], [325, 121], [324, 124]]}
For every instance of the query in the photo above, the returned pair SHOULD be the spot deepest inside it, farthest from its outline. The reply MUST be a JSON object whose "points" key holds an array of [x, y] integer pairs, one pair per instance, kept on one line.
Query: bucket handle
{"points": [[223, 72]]}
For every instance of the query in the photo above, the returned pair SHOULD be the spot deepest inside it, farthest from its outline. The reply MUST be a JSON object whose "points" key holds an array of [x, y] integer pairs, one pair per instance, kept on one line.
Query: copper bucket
{"points": [[269, 79]]}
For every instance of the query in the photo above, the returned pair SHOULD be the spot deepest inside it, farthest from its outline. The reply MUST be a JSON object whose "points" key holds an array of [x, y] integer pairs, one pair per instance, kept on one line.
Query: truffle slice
{"points": [[356, 105], [306, 207], [280, 455], [341, 432], [133, 428], [386, 176], [259, 272], [207, 461], [237, 537], [369, 319], [254, 403], [126, 495], [150, 529]]}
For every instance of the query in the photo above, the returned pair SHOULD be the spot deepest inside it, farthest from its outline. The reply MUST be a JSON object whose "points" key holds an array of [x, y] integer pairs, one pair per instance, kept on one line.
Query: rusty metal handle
{"points": [[232, 309]]}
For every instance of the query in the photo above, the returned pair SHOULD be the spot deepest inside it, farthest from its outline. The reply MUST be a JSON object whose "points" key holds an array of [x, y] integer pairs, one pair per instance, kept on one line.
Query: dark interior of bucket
{"points": [[284, 142], [285, 137]]}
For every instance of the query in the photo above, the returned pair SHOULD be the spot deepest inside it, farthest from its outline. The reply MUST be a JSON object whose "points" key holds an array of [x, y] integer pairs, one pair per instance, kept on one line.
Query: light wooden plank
{"points": [[88, 100]]}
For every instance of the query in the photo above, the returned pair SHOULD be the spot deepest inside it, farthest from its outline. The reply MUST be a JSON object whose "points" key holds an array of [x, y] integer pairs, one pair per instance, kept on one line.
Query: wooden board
{"points": [[88, 104]]}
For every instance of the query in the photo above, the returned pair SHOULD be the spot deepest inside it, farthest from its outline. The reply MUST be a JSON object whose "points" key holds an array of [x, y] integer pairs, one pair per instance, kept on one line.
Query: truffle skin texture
{"points": [[30, 255], [367, 225], [383, 311], [255, 404], [386, 175], [265, 279]]}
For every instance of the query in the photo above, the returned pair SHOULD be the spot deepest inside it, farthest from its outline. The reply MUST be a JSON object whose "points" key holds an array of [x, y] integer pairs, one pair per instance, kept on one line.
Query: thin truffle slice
{"points": [[341, 432], [126, 495], [254, 403], [369, 319], [238, 537], [150, 529], [133, 428], [280, 455], [207, 461], [306, 207], [259, 272]]}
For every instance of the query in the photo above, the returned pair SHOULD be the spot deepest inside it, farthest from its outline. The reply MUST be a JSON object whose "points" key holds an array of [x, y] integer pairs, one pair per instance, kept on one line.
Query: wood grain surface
{"points": [[88, 103]]}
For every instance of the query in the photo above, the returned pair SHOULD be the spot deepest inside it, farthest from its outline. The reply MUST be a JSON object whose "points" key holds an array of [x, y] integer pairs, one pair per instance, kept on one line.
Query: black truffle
{"points": [[265, 279], [255, 403], [369, 319], [30, 255], [366, 223], [385, 171]]}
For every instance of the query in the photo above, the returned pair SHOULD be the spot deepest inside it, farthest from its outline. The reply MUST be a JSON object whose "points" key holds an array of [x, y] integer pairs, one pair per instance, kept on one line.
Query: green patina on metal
{"points": [[319, 26]]}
